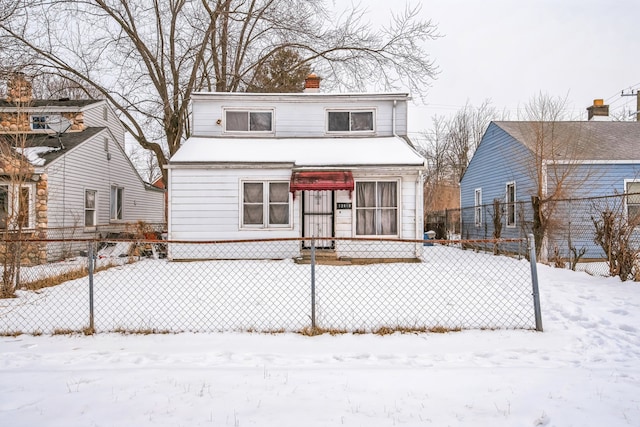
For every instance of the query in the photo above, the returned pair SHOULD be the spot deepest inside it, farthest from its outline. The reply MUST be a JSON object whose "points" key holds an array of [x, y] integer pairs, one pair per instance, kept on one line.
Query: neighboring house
{"points": [[576, 159], [297, 165], [77, 180]]}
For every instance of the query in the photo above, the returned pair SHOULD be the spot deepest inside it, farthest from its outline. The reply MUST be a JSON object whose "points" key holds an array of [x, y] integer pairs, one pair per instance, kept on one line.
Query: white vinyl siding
{"points": [[306, 117]]}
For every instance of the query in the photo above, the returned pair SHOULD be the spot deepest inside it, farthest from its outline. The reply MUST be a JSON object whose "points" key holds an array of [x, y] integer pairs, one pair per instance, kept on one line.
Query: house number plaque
{"points": [[344, 205]]}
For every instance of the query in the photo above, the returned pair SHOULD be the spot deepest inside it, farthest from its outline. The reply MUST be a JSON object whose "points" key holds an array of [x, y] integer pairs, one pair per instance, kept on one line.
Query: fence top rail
{"points": [[286, 239]]}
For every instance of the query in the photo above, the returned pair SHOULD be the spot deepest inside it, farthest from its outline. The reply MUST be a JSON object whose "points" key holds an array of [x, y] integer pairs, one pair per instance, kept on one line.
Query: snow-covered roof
{"points": [[319, 152], [33, 153]]}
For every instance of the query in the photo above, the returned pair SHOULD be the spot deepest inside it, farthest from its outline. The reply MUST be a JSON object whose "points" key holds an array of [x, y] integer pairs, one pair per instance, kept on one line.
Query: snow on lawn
{"points": [[583, 370], [451, 288]]}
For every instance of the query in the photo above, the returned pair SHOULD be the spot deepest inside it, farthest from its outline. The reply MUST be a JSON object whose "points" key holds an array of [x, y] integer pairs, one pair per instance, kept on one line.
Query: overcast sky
{"points": [[509, 50]]}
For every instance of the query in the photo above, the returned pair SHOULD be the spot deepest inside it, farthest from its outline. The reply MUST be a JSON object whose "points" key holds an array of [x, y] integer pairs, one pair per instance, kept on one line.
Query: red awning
{"points": [[321, 180]]}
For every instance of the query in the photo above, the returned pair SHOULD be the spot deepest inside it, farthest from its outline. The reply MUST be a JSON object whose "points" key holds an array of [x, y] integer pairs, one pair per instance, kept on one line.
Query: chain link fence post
{"points": [[534, 281], [91, 258], [313, 284]]}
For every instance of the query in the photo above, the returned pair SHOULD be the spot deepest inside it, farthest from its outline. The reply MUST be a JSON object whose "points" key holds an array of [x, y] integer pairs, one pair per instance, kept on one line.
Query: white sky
{"points": [[507, 51]]}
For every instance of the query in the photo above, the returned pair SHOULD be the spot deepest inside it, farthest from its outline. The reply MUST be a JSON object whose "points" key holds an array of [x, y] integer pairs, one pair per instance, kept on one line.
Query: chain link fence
{"points": [[360, 285], [584, 234]]}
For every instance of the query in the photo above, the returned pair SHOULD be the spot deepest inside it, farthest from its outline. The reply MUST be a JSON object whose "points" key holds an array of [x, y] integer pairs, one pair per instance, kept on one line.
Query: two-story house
{"points": [[303, 165], [64, 173]]}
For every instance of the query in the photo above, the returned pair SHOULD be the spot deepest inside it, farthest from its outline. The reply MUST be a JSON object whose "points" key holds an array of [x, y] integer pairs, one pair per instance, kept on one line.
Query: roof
{"points": [[43, 148], [302, 96], [43, 104], [592, 140], [318, 152]]}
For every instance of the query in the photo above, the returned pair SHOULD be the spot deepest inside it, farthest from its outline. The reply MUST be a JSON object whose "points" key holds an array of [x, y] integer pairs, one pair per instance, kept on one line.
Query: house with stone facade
{"points": [[64, 173]]}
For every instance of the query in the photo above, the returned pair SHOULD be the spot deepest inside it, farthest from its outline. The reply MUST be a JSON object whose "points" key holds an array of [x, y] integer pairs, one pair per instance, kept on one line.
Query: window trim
{"points": [[511, 204], [398, 182], [626, 198], [271, 111], [112, 207], [265, 206], [95, 209], [373, 112], [477, 205]]}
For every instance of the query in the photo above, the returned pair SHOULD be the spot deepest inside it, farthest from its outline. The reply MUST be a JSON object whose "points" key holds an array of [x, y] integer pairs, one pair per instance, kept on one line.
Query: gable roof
{"points": [[302, 152], [592, 140], [43, 148]]}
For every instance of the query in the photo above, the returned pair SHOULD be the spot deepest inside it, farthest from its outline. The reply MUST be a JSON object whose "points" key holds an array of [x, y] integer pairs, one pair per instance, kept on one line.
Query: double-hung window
{"points": [[478, 207], [90, 208], [350, 121], [377, 208], [511, 204], [265, 204], [633, 201], [248, 121], [117, 202]]}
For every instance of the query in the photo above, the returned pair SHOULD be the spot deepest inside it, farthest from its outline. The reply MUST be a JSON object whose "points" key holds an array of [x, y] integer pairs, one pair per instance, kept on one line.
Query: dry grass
{"points": [[384, 330], [58, 279]]}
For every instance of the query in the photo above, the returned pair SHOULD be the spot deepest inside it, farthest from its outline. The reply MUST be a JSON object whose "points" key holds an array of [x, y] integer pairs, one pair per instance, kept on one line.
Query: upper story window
{"points": [[248, 121], [350, 121], [39, 122]]}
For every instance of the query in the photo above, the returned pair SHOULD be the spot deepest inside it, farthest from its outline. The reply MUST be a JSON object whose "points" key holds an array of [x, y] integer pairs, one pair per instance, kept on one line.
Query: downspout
{"points": [[393, 118]]}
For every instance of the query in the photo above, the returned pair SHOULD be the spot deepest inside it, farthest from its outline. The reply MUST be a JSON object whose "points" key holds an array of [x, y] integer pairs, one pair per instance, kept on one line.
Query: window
{"points": [[511, 204], [377, 208], [90, 208], [478, 207], [633, 200], [248, 121], [16, 206], [265, 204], [39, 122], [350, 121], [117, 201]]}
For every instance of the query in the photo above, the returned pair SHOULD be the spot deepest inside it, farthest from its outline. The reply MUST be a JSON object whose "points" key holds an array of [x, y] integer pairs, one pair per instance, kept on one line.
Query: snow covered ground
{"points": [[584, 370]]}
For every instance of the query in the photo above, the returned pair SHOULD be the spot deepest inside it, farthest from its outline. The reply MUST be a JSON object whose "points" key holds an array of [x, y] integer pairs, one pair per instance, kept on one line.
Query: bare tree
{"points": [[465, 131], [553, 166], [147, 58]]}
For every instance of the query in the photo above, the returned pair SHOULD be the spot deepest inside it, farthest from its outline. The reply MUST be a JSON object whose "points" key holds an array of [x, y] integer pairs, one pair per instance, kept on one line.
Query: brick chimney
{"points": [[19, 90], [598, 111], [312, 84]]}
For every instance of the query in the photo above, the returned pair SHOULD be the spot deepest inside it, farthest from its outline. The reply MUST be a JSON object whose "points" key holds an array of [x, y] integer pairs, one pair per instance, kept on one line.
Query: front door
{"points": [[317, 216]]}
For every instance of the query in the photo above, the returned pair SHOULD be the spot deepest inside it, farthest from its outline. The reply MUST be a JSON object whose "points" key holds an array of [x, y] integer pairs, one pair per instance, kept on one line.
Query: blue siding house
{"points": [[517, 160]]}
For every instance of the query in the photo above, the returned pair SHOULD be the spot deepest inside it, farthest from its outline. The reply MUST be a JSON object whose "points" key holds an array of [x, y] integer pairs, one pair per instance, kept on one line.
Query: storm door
{"points": [[317, 218]]}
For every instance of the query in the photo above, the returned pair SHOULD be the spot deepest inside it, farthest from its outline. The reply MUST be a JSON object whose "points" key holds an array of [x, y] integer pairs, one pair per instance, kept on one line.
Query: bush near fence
{"points": [[136, 289]]}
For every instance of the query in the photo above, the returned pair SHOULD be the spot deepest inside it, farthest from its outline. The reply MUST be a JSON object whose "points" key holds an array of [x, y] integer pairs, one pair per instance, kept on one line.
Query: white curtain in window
{"points": [[279, 203], [376, 208], [253, 203]]}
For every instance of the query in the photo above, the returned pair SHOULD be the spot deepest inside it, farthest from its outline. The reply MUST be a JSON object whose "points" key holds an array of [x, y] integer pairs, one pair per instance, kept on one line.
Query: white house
{"points": [[301, 165], [79, 182]]}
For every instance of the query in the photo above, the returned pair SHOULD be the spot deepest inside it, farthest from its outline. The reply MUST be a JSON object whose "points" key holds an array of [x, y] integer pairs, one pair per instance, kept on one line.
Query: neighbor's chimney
{"points": [[598, 111], [312, 84], [19, 90]]}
